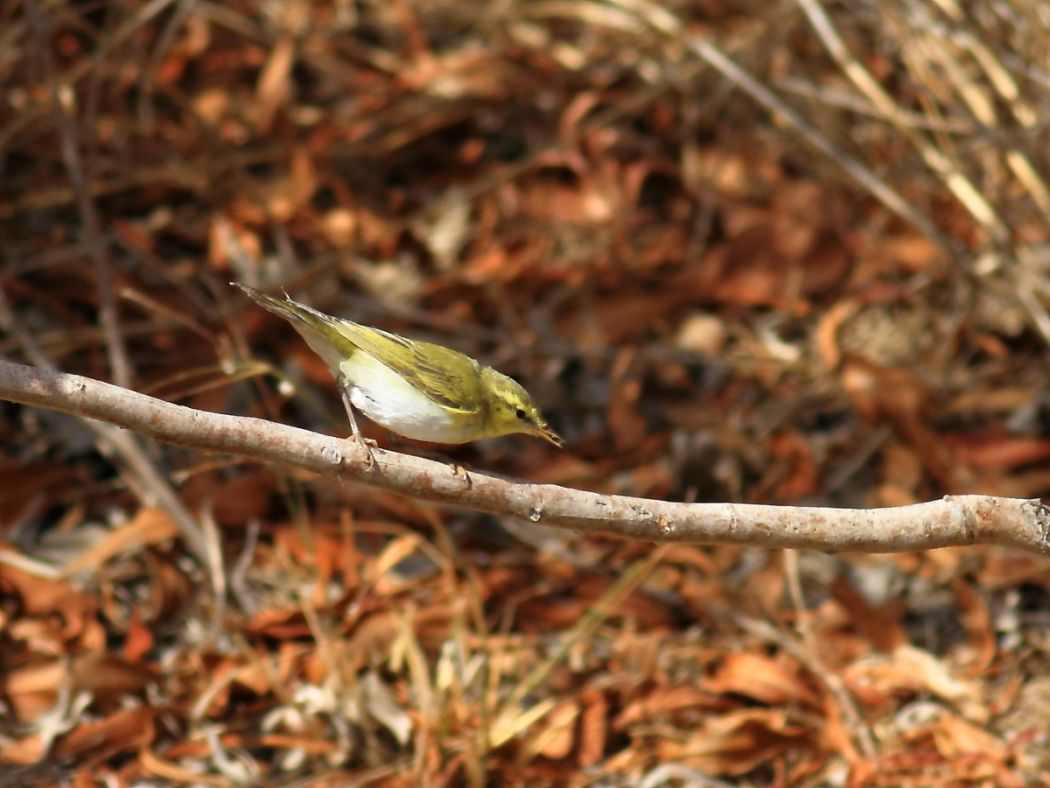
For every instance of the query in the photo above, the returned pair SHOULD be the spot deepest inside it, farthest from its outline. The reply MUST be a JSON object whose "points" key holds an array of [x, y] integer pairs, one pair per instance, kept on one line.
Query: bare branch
{"points": [[952, 521], [136, 467]]}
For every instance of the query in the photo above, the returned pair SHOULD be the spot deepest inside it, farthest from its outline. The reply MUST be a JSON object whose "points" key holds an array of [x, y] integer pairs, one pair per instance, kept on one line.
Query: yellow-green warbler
{"points": [[417, 389]]}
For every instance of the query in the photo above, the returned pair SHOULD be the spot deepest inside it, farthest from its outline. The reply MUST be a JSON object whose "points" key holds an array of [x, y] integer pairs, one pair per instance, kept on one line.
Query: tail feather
{"points": [[289, 308], [322, 332]]}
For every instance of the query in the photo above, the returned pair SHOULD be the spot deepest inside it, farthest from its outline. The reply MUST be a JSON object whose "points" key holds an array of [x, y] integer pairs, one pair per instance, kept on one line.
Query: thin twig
{"points": [[142, 476], [809, 651], [21, 120], [952, 521], [968, 195], [120, 367], [854, 168]]}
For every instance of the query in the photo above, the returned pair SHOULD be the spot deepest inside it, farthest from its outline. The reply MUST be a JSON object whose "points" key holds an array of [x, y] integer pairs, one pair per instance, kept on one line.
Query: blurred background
{"points": [[791, 253]]}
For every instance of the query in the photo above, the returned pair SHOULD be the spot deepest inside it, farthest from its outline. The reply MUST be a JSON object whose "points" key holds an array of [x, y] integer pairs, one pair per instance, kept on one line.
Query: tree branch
{"points": [[952, 521]]}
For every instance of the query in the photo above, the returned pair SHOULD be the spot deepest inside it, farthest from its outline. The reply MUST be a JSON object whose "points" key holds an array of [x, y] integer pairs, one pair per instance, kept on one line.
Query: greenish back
{"points": [[445, 376]]}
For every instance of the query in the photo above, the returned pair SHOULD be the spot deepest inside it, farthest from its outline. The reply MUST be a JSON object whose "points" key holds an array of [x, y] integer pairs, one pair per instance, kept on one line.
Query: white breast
{"points": [[388, 400]]}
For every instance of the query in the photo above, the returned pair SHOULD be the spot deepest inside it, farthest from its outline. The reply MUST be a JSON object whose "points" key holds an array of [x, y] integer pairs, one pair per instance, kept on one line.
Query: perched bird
{"points": [[416, 389]]}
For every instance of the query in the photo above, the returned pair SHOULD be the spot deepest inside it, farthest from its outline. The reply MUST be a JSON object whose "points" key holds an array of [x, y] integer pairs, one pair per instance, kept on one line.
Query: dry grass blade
{"points": [[954, 178]]}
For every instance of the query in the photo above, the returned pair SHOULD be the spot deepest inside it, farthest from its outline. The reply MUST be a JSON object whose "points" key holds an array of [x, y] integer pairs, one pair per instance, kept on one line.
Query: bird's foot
{"points": [[368, 445], [460, 472]]}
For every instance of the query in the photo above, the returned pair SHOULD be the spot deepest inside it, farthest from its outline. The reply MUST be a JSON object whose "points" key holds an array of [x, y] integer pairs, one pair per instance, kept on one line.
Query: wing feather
{"points": [[426, 366]]}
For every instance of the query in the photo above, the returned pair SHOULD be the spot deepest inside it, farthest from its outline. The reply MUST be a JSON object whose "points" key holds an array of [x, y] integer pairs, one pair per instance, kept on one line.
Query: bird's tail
{"points": [[322, 332], [289, 309]]}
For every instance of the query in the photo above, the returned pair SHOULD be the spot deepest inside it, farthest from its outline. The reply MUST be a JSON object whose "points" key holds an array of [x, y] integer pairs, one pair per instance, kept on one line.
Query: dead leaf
{"points": [[108, 676], [737, 742], [149, 526], [97, 740], [380, 703], [763, 679], [664, 702], [594, 728], [555, 737], [274, 84]]}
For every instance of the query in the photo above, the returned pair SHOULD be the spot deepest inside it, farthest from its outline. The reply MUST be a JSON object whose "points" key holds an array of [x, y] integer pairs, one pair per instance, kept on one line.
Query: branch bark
{"points": [[951, 521]]}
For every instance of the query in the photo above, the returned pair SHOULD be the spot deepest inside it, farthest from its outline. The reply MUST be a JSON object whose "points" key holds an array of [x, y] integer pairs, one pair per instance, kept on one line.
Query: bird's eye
{"points": [[520, 414]]}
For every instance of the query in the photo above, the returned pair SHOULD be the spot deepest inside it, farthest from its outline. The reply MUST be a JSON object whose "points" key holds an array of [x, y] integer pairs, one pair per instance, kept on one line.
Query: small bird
{"points": [[416, 389]]}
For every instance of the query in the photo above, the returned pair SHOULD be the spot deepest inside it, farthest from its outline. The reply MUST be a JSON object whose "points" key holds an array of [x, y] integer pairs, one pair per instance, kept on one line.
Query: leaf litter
{"points": [[706, 306]]}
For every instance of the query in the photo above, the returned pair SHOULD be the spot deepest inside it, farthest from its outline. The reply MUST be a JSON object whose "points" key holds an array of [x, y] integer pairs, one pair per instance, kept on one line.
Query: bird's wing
{"points": [[426, 366]]}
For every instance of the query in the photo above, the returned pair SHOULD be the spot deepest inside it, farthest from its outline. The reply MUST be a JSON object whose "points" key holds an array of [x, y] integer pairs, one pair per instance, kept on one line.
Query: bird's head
{"points": [[511, 409]]}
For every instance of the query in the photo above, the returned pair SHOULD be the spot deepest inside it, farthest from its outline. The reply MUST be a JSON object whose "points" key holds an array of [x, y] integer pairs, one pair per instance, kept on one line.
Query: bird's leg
{"points": [[368, 444]]}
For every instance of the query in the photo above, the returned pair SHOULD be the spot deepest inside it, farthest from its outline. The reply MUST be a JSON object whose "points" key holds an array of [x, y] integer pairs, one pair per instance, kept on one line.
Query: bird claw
{"points": [[460, 472], [368, 444]]}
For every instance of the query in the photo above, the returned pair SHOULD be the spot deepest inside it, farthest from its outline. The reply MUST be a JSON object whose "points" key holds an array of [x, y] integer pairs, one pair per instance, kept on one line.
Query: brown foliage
{"points": [[705, 304]]}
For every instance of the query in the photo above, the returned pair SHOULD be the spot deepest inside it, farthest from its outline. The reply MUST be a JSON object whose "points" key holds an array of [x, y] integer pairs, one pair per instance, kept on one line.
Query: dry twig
{"points": [[953, 521]]}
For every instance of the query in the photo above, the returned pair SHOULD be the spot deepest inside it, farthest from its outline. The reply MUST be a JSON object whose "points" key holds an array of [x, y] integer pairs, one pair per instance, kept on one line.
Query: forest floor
{"points": [[766, 253]]}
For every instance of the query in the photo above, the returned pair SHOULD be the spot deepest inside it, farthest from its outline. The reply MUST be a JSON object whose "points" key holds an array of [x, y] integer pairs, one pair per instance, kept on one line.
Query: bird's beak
{"points": [[550, 435]]}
